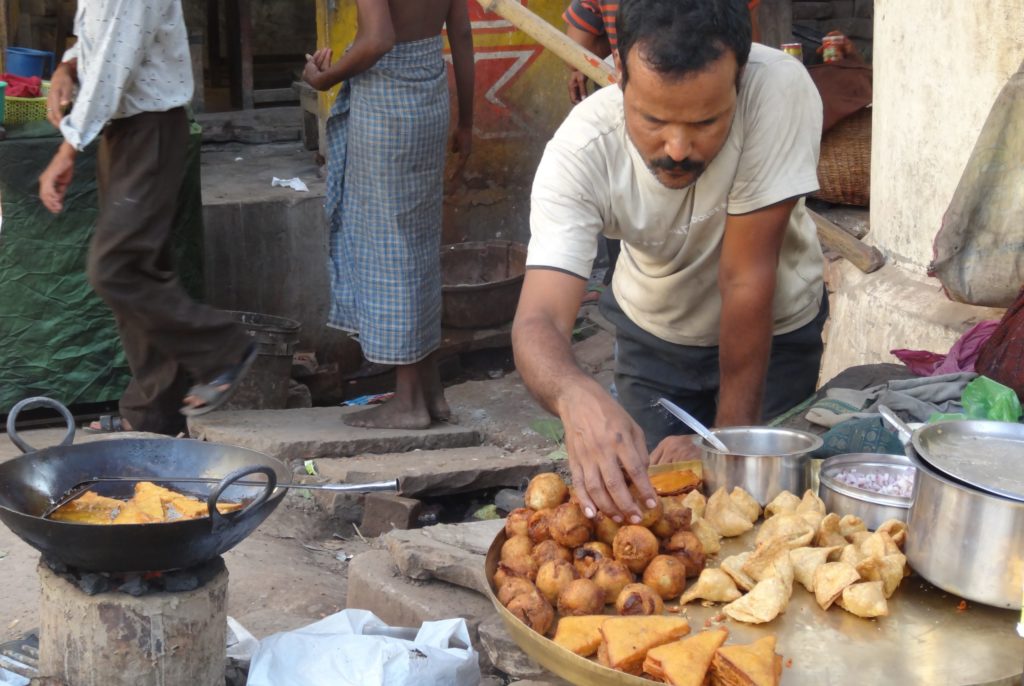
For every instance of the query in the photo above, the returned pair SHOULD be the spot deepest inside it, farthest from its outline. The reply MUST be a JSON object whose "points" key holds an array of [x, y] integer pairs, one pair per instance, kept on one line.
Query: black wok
{"points": [[30, 484]]}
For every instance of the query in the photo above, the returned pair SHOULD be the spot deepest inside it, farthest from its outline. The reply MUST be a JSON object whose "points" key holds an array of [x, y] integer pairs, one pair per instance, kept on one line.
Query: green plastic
{"points": [[57, 338], [984, 398]]}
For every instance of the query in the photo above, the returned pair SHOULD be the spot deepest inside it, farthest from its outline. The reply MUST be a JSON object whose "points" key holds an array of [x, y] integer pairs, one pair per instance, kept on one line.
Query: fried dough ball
{"points": [[533, 611], [515, 547], [546, 491], [687, 548], [545, 551], [605, 528], [517, 521], [523, 567], [569, 526], [666, 576], [635, 546], [589, 555], [581, 597], [512, 587], [553, 577], [612, 576], [638, 599], [649, 515], [539, 525], [674, 517]]}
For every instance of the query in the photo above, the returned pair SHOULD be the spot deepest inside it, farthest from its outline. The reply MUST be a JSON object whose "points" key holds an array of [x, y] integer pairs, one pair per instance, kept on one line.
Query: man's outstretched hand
{"points": [[606, 452]]}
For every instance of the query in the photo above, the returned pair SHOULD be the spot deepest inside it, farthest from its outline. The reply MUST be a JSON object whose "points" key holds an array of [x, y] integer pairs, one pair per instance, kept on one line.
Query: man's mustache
{"points": [[671, 165]]}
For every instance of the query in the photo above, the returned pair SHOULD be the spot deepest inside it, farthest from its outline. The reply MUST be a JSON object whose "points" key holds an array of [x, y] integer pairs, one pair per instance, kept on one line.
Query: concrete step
{"points": [[318, 432], [439, 472], [421, 473]]}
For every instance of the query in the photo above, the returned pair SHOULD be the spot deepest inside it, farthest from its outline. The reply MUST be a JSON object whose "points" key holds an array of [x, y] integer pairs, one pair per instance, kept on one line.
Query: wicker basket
{"points": [[21, 110], [844, 170]]}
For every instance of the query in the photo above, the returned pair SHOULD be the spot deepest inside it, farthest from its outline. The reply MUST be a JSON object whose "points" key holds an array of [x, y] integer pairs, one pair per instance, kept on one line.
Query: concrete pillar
{"points": [[114, 639], [776, 17], [938, 67]]}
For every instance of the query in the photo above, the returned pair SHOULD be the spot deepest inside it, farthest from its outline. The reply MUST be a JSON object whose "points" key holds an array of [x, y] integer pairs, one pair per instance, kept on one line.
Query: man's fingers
{"points": [[596, 489], [614, 480]]}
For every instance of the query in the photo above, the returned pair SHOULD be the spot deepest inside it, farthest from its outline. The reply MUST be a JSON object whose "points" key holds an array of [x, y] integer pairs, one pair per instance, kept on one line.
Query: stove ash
{"points": [[138, 583]]}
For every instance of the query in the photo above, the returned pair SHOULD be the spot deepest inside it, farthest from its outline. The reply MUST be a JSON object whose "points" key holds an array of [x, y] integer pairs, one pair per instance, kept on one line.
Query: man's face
{"points": [[679, 124]]}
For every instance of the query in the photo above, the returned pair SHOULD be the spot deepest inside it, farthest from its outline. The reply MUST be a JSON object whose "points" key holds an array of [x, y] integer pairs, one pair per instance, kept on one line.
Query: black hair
{"points": [[681, 37]]}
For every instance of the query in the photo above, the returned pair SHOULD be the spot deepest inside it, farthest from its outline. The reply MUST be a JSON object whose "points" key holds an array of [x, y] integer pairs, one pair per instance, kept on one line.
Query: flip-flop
{"points": [[109, 424], [211, 393]]}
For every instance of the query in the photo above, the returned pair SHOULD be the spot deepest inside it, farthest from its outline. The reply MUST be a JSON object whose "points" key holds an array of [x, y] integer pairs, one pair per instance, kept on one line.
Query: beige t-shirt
{"points": [[593, 181]]}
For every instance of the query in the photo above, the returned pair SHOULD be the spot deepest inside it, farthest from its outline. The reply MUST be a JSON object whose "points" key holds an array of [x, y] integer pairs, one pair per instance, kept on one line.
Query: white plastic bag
{"points": [[351, 648]]}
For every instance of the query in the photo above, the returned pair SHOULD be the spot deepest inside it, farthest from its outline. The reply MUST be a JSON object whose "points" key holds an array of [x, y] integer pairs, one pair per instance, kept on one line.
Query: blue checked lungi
{"points": [[386, 143]]}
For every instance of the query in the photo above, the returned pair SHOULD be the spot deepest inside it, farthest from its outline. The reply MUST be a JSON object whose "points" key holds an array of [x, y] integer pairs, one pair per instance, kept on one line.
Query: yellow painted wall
{"points": [[521, 98]]}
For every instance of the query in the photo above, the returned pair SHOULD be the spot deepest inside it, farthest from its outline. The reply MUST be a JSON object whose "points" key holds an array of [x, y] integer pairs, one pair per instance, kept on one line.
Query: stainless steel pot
{"points": [[873, 508], [965, 541], [764, 461]]}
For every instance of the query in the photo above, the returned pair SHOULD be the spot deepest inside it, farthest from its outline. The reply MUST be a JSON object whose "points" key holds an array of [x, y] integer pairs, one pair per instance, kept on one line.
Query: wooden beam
{"points": [[865, 257], [3, 35], [239, 18]]}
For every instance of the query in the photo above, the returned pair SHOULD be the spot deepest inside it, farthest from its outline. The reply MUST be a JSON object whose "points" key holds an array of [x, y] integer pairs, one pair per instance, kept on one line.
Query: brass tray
{"points": [[926, 639]]}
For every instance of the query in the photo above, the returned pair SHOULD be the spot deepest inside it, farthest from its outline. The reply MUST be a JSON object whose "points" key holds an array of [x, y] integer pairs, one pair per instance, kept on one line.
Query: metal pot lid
{"points": [[988, 456]]}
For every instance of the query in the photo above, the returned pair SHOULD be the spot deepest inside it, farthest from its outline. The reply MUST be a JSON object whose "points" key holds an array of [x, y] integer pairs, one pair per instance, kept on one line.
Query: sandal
{"points": [[109, 424], [211, 393]]}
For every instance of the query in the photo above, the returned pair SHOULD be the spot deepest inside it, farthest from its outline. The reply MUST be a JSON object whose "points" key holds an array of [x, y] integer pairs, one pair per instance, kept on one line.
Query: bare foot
{"points": [[391, 415], [120, 424], [433, 391]]}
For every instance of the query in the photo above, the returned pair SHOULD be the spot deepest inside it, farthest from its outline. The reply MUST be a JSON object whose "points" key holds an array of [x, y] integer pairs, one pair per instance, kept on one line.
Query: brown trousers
{"points": [[170, 340]]}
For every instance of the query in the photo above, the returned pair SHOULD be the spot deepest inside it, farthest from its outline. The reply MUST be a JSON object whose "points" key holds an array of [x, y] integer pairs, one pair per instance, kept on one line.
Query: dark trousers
{"points": [[648, 368], [169, 339]]}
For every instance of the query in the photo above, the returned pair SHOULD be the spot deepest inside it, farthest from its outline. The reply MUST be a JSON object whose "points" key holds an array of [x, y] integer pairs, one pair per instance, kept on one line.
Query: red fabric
{"points": [[962, 357], [845, 88], [1002, 357], [22, 86]]}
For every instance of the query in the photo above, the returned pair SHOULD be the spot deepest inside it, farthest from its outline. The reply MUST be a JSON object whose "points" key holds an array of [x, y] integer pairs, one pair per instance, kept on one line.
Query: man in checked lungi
{"points": [[386, 138]]}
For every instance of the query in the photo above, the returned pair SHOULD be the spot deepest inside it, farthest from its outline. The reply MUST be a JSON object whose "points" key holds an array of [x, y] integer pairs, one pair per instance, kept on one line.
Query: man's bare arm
{"points": [[460, 38], [746, 280], [604, 443], [375, 36]]}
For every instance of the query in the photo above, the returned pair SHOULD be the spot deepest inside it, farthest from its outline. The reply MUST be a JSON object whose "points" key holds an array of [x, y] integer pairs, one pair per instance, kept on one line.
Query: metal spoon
{"points": [[692, 422]]}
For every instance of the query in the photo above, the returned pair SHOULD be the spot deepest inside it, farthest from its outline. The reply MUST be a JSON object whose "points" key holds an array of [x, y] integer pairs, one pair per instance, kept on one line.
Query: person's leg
{"points": [[794, 366], [131, 265], [648, 368], [433, 390], [407, 410]]}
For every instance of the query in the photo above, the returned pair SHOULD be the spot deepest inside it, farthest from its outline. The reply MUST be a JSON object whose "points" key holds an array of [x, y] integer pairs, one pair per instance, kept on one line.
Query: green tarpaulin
{"points": [[57, 338]]}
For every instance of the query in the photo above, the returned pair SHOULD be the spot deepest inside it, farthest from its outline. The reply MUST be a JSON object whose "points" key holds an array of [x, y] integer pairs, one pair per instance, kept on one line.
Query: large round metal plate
{"points": [[985, 455], [926, 639]]}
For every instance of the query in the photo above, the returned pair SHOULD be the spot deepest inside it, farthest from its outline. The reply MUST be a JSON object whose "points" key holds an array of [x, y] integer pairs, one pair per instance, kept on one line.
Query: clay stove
{"points": [[140, 629]]}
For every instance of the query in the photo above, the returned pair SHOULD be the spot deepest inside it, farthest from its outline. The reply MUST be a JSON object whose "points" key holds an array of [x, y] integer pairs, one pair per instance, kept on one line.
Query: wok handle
{"points": [[31, 403], [218, 520], [904, 432]]}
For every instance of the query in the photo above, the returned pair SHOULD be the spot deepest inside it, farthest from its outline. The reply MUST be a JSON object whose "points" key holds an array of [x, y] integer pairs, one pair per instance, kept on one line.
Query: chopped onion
{"points": [[899, 484]]}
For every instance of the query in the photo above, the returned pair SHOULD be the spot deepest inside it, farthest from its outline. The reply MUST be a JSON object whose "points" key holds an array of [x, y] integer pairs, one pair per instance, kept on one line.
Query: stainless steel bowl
{"points": [[873, 508], [764, 461]]}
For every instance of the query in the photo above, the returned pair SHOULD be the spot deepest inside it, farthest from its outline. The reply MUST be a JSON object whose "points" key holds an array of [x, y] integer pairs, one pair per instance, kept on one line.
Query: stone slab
{"points": [[503, 652], [385, 512], [451, 553], [375, 584], [319, 432], [439, 472]]}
